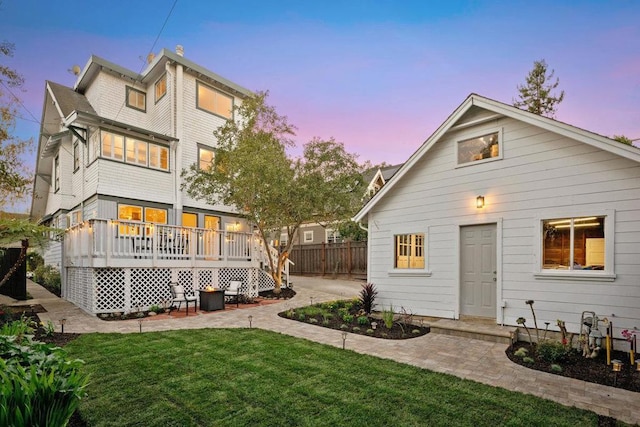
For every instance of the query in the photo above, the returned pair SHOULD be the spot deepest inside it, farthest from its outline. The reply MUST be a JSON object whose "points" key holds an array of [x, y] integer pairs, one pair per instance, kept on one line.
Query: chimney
{"points": [[150, 58], [180, 50]]}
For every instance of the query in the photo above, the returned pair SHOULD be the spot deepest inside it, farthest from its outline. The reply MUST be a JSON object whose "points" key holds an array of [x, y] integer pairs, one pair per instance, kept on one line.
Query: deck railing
{"points": [[99, 241]]}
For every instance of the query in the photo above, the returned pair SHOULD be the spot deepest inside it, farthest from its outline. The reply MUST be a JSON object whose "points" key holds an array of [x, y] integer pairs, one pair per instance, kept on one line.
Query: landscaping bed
{"points": [[574, 365], [349, 316]]}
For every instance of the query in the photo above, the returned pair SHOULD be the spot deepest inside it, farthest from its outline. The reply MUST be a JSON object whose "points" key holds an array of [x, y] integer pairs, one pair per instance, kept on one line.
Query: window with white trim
{"points": [[409, 251], [134, 151], [76, 156], [205, 158], [574, 243], [161, 87], [308, 236], [136, 99], [333, 236], [76, 217], [56, 173], [158, 156], [213, 101], [485, 147]]}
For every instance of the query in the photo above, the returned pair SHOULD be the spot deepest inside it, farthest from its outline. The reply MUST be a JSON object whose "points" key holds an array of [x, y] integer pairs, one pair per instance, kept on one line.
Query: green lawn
{"points": [[250, 377]]}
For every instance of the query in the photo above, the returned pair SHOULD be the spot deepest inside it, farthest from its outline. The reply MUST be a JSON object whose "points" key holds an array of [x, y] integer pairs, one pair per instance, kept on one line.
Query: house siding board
{"points": [[133, 182], [542, 175]]}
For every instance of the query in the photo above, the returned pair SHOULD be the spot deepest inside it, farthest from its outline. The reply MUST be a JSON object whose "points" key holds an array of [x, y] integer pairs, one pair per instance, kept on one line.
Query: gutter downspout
{"points": [[179, 135]]}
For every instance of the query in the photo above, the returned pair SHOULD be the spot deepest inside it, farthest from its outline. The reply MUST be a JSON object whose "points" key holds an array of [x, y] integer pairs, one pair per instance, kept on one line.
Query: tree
{"points": [[252, 172], [14, 176], [536, 96]]}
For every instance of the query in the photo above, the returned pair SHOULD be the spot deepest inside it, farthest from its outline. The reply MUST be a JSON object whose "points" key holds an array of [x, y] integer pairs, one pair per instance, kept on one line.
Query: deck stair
{"points": [[472, 327]]}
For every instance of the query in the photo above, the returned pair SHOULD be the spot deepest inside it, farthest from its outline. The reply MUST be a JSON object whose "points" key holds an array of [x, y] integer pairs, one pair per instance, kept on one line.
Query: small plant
{"points": [[367, 297], [387, 317], [556, 368], [343, 312], [313, 320], [370, 331], [290, 313], [521, 352], [347, 318], [344, 327], [326, 316], [355, 329], [528, 359], [551, 351], [156, 309], [49, 328], [302, 316], [20, 329], [415, 331], [363, 320], [325, 322]]}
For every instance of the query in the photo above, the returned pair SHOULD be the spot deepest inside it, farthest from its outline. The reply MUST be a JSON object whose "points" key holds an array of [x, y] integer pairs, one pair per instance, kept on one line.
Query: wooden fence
{"points": [[335, 259]]}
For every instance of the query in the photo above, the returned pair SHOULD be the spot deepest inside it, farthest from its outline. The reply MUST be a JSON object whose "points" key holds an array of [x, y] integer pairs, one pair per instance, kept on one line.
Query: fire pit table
{"points": [[211, 299]]}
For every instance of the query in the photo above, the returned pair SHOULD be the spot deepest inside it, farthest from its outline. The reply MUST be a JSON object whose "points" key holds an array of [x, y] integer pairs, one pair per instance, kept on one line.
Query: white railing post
{"points": [[110, 237]]}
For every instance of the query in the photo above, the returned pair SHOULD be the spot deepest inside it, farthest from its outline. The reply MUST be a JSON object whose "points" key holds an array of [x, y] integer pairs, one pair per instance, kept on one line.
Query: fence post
{"points": [[323, 258], [349, 259]]}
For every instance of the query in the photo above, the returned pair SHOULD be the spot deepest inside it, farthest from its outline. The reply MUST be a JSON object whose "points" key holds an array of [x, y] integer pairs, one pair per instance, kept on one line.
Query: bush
{"points": [[363, 320], [34, 260], [551, 351], [347, 318], [367, 297], [387, 317], [49, 277], [38, 385]]}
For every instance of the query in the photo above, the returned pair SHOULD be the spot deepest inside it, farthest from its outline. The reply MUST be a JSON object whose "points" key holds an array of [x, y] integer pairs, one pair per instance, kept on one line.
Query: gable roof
{"points": [[69, 100], [501, 110]]}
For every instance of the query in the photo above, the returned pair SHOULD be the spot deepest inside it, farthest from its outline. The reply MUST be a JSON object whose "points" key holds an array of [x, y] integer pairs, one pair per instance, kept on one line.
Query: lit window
{"points": [[158, 216], [189, 219], [136, 99], [409, 251], [158, 156], [214, 101], [76, 157], [76, 217], [205, 158], [112, 146], [574, 243], [136, 152], [308, 236], [56, 172], [161, 87], [129, 213], [481, 148]]}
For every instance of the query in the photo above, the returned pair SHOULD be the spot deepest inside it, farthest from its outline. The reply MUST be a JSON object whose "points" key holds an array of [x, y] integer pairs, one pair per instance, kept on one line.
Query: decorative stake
{"points": [[311, 299], [250, 319], [140, 323], [62, 322], [617, 367], [344, 339]]}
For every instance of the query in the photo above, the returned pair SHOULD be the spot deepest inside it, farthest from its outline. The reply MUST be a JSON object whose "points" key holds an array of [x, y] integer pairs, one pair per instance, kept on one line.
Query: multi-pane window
{"points": [[161, 87], [56, 172], [214, 101], [76, 156], [135, 213], [480, 148], [158, 156], [157, 216], [573, 243], [112, 146], [136, 99], [189, 219], [138, 152], [409, 251], [308, 236], [333, 236], [76, 217], [205, 158]]}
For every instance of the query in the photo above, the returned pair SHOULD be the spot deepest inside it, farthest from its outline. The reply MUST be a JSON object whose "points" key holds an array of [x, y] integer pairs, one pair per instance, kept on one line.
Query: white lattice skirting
{"points": [[123, 290]]}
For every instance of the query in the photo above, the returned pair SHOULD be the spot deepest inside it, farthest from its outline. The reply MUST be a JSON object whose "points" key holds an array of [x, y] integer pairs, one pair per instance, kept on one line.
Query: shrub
{"points": [[344, 327], [34, 260], [370, 331], [156, 309], [528, 359], [415, 331], [347, 318], [326, 316], [301, 316], [38, 385], [355, 329], [363, 320], [521, 352], [49, 277], [367, 297], [551, 351], [313, 320], [556, 368]]}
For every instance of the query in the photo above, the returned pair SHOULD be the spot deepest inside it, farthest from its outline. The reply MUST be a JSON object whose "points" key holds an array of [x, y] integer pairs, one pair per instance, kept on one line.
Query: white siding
{"points": [[542, 175]]}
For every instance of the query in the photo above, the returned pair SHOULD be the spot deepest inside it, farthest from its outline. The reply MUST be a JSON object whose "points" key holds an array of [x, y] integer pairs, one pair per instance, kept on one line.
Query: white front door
{"points": [[478, 270]]}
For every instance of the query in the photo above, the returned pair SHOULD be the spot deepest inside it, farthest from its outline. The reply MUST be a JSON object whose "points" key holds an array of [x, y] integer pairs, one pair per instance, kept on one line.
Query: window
{"points": [[284, 239], [480, 148], [161, 87], [129, 213], [189, 219], [76, 156], [76, 217], [409, 251], [212, 222], [574, 243], [158, 156], [308, 236], [56, 172], [136, 152], [333, 236], [157, 216], [214, 101], [205, 158], [136, 99], [112, 146]]}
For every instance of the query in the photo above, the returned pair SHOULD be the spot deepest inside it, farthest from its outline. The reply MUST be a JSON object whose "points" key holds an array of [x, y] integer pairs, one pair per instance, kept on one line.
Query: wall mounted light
{"points": [[480, 202]]}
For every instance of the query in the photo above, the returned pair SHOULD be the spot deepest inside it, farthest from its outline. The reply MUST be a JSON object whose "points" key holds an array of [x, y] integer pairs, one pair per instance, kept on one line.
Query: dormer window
{"points": [[136, 99]]}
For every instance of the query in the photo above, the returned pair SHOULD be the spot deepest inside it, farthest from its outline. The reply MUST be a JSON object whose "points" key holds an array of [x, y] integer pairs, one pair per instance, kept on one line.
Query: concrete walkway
{"points": [[476, 360]]}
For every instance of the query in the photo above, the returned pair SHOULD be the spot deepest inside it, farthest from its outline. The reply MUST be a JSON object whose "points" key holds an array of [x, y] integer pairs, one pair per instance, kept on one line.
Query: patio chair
{"points": [[234, 291], [179, 296]]}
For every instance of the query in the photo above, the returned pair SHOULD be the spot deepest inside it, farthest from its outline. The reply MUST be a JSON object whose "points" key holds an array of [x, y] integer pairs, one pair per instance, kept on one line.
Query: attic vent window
{"points": [[482, 148]]}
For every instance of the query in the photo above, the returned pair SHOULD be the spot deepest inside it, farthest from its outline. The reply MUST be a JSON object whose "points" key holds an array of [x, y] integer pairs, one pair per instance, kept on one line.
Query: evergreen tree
{"points": [[535, 96]]}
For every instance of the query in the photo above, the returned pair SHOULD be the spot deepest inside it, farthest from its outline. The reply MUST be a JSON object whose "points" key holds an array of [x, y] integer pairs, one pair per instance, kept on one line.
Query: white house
{"points": [[500, 206], [110, 156]]}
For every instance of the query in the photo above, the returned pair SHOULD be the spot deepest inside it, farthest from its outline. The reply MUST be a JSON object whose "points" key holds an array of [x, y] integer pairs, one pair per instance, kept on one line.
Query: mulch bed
{"points": [[595, 370]]}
